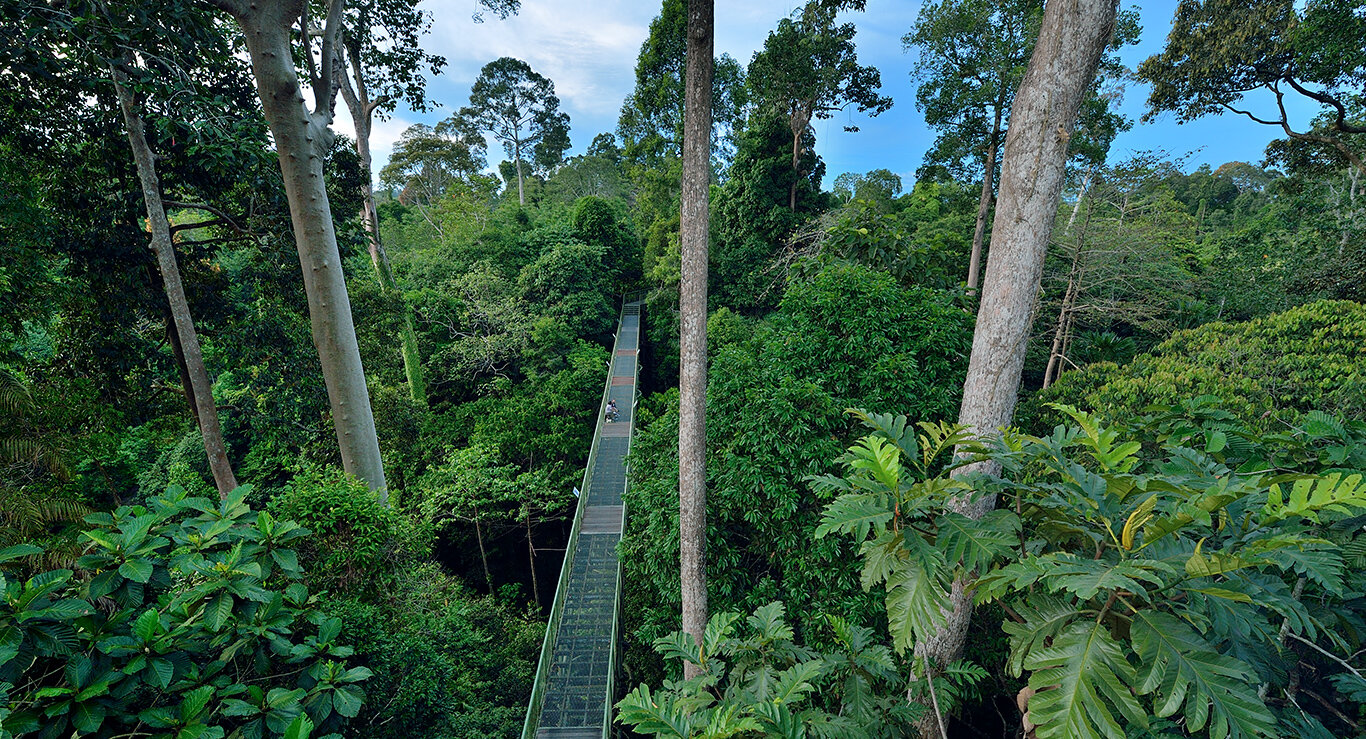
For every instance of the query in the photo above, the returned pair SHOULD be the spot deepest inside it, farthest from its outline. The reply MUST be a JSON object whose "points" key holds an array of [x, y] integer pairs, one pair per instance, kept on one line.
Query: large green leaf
{"points": [[1044, 616], [657, 715], [915, 603], [855, 514], [1079, 680], [974, 545], [1085, 578], [1182, 669]]}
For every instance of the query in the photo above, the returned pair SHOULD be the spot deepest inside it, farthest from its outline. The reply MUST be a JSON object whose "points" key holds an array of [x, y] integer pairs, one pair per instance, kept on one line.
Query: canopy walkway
{"points": [[575, 681]]}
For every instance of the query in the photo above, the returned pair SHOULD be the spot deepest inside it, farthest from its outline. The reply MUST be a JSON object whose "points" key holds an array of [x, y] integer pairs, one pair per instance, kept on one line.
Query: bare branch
{"points": [[1253, 117], [305, 27], [1341, 123], [221, 216], [325, 90]]}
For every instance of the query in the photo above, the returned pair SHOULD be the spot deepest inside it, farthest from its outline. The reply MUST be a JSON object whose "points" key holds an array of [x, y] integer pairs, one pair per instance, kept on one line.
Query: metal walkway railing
{"points": [[575, 680]]}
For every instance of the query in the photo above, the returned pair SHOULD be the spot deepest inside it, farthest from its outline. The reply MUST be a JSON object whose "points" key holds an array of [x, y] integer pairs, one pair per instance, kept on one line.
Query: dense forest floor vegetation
{"points": [[1176, 546]]}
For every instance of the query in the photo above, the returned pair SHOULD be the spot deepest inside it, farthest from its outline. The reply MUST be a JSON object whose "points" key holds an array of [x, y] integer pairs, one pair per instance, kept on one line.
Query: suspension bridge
{"points": [[576, 679]]}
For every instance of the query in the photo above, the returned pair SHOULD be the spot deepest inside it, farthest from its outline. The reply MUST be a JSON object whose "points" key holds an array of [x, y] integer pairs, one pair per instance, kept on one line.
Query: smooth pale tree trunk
{"points": [[531, 560], [201, 397], [301, 138], [362, 110], [1072, 36], [483, 555], [692, 316], [979, 232]]}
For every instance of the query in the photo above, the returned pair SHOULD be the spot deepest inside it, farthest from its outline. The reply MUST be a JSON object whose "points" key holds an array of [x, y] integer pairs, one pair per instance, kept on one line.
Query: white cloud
{"points": [[383, 134], [589, 52]]}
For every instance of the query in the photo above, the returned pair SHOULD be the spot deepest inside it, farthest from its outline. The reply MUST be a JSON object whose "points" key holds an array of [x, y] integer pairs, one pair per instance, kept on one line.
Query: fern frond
{"points": [[15, 398]]}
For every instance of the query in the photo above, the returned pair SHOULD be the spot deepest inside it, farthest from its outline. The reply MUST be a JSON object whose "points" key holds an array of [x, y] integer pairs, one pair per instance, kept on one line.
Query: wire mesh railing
{"points": [[572, 693]]}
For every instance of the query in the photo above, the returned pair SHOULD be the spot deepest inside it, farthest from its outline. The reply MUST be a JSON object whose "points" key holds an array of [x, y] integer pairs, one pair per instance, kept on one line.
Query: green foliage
{"points": [[1216, 55], [971, 57], [184, 619], [571, 283], [450, 664], [753, 217], [918, 239], [354, 534], [851, 335], [1277, 367], [426, 160], [757, 681], [1145, 578], [651, 122]]}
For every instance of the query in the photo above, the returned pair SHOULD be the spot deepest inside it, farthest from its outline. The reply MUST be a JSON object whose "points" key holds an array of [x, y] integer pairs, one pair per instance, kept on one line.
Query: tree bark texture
{"points": [[362, 113], [692, 309], [1071, 40], [301, 139], [201, 399], [979, 233]]}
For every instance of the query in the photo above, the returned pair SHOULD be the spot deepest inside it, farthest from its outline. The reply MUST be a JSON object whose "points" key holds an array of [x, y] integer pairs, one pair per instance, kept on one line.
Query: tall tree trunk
{"points": [[362, 112], [183, 370], [979, 233], [301, 139], [1353, 216], [531, 560], [1081, 196], [201, 400], [1072, 36], [483, 555], [798, 124], [692, 309], [517, 148]]}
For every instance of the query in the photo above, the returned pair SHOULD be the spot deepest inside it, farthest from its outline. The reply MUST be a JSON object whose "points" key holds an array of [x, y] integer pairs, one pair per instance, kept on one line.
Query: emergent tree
{"points": [[809, 69], [1062, 68], [519, 107]]}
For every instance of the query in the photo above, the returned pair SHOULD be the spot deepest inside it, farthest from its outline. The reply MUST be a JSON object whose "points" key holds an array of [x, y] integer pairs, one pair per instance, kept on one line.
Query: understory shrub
{"points": [[185, 618]]}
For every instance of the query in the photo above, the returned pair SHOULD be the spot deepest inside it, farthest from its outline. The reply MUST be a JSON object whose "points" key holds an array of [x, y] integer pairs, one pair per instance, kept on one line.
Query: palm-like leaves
{"points": [[21, 446], [1124, 556], [1081, 682], [1181, 669]]}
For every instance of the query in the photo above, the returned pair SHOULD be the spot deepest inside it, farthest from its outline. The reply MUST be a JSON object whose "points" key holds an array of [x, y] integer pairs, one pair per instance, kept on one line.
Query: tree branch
{"points": [[324, 90], [307, 32], [1324, 652], [232, 7], [1262, 121], [222, 217], [1323, 97], [1318, 138]]}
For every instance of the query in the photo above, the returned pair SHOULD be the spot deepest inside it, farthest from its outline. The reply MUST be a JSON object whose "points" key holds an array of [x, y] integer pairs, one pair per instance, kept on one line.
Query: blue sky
{"points": [[588, 48]]}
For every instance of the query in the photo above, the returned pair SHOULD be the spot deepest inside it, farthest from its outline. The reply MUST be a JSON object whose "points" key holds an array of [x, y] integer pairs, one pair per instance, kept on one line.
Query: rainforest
{"points": [[452, 369]]}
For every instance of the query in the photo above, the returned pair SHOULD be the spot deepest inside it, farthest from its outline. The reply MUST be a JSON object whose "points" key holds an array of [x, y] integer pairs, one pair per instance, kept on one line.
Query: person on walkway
{"points": [[611, 411]]}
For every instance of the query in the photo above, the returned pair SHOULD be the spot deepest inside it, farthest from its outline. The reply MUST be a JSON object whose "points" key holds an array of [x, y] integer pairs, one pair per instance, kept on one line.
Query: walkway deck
{"points": [[575, 681]]}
